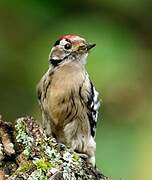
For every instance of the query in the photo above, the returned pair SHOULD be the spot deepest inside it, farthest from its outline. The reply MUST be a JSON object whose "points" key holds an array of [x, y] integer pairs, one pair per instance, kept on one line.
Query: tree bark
{"points": [[27, 153]]}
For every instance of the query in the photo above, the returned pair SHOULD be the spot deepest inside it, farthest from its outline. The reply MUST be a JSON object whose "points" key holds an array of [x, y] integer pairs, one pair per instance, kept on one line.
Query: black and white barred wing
{"points": [[93, 107]]}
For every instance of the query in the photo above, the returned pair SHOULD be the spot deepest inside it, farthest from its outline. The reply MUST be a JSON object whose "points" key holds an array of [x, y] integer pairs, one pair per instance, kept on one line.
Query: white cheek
{"points": [[63, 42], [50, 55], [84, 58], [57, 53]]}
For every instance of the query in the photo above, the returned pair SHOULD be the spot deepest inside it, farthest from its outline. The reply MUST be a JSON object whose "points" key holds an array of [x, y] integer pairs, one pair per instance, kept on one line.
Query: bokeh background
{"points": [[120, 66]]}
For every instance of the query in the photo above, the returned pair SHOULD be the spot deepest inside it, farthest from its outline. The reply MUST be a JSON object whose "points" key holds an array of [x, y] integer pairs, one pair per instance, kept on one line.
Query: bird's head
{"points": [[69, 48]]}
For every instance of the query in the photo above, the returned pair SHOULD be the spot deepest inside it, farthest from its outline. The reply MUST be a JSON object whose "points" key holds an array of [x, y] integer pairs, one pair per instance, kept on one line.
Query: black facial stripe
{"points": [[55, 62], [68, 40], [57, 42]]}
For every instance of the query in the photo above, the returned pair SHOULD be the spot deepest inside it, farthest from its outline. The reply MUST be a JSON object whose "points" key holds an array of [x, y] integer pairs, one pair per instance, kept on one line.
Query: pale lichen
{"points": [[23, 137], [37, 175], [40, 157], [72, 167]]}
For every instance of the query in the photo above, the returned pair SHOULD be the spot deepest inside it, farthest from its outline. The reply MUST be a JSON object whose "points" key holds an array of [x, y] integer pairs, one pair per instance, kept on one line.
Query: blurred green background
{"points": [[120, 66]]}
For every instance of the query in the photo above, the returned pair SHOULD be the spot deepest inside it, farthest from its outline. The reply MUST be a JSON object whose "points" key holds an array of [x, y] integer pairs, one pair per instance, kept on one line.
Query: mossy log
{"points": [[27, 153]]}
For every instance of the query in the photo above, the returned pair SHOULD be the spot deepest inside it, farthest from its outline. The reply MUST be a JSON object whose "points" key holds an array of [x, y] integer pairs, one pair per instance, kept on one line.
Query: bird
{"points": [[68, 99]]}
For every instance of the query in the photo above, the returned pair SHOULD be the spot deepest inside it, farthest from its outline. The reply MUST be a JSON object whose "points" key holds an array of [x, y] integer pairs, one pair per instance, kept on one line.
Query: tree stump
{"points": [[27, 153]]}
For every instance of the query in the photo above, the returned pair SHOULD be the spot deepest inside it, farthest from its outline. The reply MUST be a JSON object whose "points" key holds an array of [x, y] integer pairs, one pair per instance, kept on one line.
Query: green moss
{"points": [[43, 165], [75, 157], [25, 167]]}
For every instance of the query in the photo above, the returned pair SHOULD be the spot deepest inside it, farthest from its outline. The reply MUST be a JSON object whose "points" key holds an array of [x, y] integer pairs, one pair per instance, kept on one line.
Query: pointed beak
{"points": [[90, 46]]}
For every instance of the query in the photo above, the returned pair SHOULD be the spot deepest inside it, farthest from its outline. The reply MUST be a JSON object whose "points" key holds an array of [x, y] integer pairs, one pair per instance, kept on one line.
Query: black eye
{"points": [[67, 46]]}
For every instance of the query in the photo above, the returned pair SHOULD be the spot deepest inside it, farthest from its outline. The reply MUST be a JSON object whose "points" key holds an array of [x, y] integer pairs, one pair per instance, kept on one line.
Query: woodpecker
{"points": [[68, 100]]}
